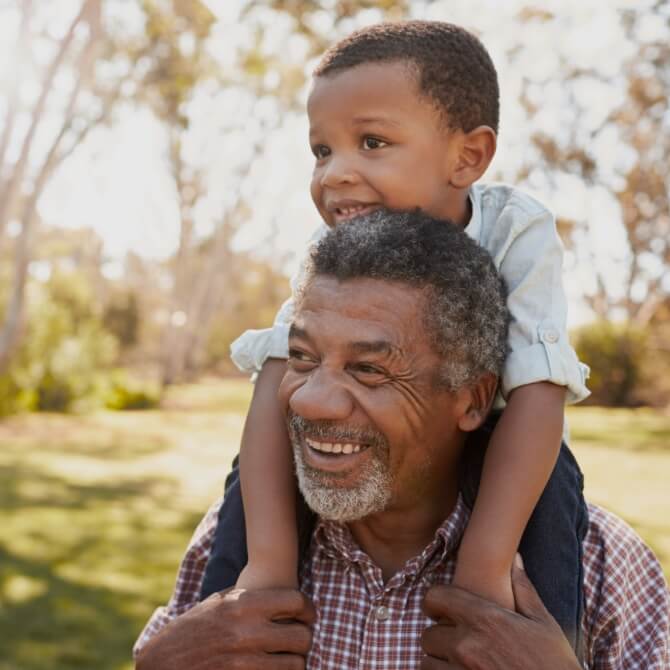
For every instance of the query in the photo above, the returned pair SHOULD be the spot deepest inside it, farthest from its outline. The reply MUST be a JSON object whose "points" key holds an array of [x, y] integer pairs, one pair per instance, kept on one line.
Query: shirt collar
{"points": [[474, 227], [335, 540]]}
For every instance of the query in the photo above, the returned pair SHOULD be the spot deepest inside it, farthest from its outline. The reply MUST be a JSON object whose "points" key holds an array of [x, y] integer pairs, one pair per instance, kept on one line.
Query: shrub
{"points": [[124, 394], [64, 355], [616, 354]]}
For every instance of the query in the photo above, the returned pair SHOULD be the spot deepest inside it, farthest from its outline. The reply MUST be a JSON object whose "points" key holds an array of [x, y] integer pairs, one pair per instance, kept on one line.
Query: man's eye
{"points": [[320, 151], [366, 369], [373, 143], [297, 357]]}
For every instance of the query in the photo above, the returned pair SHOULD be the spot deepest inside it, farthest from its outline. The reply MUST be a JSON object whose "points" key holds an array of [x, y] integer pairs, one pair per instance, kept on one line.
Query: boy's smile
{"points": [[379, 142]]}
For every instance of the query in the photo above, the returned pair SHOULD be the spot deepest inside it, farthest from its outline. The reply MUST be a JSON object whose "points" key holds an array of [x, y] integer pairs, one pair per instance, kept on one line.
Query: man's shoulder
{"points": [[610, 540], [627, 606]]}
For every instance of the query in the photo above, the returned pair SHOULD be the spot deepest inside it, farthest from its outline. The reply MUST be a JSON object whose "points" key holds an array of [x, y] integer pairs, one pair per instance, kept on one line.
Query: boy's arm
{"points": [[541, 372], [266, 461], [520, 457], [268, 489]]}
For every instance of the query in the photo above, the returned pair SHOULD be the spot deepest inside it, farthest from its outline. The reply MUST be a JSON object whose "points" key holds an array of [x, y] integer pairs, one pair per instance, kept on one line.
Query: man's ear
{"points": [[479, 400], [476, 153]]}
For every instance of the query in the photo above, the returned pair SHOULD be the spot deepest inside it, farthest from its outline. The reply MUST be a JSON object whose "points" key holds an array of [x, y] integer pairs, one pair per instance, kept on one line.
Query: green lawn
{"points": [[96, 512]]}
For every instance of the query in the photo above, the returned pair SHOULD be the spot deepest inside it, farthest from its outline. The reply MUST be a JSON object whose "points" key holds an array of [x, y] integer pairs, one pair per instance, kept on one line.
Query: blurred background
{"points": [[154, 171]]}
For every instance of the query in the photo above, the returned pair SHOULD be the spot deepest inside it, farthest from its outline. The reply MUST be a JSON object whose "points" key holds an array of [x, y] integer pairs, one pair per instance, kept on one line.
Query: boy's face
{"points": [[378, 142]]}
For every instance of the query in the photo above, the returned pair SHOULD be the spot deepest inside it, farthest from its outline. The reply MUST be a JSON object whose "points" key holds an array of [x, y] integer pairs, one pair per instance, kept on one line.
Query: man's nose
{"points": [[339, 170], [322, 397]]}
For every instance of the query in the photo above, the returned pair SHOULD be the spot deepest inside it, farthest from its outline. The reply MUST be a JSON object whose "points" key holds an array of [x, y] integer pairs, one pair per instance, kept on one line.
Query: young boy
{"points": [[403, 116]]}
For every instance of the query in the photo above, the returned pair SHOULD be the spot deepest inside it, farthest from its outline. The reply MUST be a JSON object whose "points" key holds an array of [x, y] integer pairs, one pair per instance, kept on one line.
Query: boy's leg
{"points": [[229, 551], [551, 546]]}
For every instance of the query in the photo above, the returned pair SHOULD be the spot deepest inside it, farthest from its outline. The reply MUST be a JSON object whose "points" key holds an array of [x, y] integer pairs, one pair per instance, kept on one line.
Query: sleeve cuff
{"points": [[254, 347], [546, 362]]}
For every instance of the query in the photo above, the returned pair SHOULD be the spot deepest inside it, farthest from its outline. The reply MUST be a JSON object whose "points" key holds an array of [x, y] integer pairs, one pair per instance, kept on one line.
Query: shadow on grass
{"points": [[67, 626], [22, 486], [83, 566], [78, 438]]}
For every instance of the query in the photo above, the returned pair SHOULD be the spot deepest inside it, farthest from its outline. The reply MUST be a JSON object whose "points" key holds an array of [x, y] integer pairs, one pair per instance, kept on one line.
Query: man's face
{"points": [[378, 142], [370, 429]]}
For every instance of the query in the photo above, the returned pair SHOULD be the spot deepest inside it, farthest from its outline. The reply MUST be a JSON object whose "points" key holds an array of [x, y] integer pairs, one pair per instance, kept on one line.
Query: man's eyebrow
{"points": [[297, 331], [373, 347]]}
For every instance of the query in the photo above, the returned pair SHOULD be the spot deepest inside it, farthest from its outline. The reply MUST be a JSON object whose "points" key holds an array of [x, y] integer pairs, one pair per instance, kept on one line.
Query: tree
{"points": [[636, 175], [23, 179]]}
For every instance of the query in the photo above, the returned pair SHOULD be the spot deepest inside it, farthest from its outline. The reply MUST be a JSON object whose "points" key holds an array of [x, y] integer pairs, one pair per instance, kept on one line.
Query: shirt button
{"points": [[382, 613], [550, 336]]}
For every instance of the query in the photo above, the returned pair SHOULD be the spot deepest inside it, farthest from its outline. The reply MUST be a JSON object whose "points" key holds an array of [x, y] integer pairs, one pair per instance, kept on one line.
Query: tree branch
{"points": [[10, 191]]}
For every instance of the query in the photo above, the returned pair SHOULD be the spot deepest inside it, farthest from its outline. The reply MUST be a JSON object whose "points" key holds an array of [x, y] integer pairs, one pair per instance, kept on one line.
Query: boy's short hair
{"points": [[454, 69]]}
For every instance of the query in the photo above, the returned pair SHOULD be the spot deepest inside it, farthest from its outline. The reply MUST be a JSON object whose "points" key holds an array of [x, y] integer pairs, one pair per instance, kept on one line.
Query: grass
{"points": [[96, 512]]}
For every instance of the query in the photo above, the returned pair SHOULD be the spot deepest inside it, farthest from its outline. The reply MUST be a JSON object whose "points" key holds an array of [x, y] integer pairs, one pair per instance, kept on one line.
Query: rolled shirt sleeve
{"points": [[250, 351], [521, 236], [539, 348]]}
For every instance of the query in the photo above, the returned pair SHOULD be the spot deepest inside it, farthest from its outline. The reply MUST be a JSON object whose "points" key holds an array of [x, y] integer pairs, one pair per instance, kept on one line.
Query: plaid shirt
{"points": [[364, 623]]}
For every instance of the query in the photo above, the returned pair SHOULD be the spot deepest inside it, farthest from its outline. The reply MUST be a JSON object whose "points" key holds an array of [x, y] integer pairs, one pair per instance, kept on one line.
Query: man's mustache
{"points": [[334, 432]]}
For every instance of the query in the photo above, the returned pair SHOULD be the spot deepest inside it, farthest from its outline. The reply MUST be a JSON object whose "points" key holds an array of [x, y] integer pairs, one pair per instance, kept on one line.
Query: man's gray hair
{"points": [[465, 312]]}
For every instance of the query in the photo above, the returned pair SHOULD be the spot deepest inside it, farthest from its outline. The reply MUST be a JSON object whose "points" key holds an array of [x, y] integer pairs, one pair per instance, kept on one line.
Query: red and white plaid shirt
{"points": [[363, 623]]}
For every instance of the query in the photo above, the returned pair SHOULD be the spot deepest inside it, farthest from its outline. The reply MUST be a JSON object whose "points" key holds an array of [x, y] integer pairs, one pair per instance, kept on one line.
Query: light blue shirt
{"points": [[521, 236]]}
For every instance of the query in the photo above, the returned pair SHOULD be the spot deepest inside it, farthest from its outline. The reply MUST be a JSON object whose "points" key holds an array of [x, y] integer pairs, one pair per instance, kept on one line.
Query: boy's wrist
{"points": [[479, 559]]}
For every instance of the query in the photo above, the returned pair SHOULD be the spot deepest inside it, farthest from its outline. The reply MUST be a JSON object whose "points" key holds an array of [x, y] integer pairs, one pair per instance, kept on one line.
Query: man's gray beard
{"points": [[321, 490]]}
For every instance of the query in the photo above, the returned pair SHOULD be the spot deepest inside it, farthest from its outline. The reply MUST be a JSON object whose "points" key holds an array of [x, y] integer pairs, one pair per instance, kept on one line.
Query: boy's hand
{"points": [[242, 629]]}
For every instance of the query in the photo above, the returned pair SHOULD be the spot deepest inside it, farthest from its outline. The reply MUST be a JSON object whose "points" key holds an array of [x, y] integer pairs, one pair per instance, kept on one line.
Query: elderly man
{"points": [[395, 350]]}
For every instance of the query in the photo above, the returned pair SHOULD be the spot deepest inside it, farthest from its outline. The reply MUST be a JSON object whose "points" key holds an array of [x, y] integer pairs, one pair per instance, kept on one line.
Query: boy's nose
{"points": [[322, 397], [338, 171]]}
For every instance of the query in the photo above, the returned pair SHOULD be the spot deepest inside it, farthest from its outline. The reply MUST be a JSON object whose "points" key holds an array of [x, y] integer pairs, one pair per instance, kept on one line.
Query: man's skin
{"points": [[356, 360]]}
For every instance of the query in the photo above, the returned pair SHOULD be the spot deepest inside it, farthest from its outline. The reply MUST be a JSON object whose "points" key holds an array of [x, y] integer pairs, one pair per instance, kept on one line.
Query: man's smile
{"points": [[335, 447]]}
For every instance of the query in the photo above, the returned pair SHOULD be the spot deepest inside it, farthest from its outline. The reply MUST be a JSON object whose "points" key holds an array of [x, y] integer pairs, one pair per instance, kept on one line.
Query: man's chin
{"points": [[333, 499], [342, 505]]}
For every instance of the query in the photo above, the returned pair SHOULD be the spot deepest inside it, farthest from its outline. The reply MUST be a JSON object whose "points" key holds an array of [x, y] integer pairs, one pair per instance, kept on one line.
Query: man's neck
{"points": [[393, 537]]}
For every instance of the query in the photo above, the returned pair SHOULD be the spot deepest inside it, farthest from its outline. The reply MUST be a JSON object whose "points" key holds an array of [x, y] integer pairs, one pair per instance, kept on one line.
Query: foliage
{"points": [[62, 362], [121, 317], [616, 354], [124, 394], [258, 294]]}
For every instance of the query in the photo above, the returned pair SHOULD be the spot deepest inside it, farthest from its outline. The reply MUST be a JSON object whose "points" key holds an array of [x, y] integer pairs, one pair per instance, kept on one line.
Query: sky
{"points": [[118, 182]]}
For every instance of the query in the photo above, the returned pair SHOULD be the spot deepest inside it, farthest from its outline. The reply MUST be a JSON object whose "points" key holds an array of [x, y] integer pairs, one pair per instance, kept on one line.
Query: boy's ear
{"points": [[479, 401], [476, 153]]}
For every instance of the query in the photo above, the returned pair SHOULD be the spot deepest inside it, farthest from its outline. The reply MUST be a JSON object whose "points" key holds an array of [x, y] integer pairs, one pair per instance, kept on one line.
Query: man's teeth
{"points": [[334, 447]]}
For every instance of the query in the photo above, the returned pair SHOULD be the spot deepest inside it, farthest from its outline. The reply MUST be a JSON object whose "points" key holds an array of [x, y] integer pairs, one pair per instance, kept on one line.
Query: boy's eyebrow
{"points": [[360, 120]]}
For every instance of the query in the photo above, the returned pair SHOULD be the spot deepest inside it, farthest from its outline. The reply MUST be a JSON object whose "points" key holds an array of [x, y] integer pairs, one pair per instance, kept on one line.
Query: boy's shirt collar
{"points": [[474, 226]]}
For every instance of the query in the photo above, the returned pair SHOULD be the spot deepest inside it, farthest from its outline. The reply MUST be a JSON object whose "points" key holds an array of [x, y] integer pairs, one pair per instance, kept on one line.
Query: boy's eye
{"points": [[373, 143], [320, 151]]}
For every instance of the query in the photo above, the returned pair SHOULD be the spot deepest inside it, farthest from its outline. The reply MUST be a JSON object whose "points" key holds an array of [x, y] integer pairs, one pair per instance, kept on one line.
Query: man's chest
{"points": [[365, 624]]}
